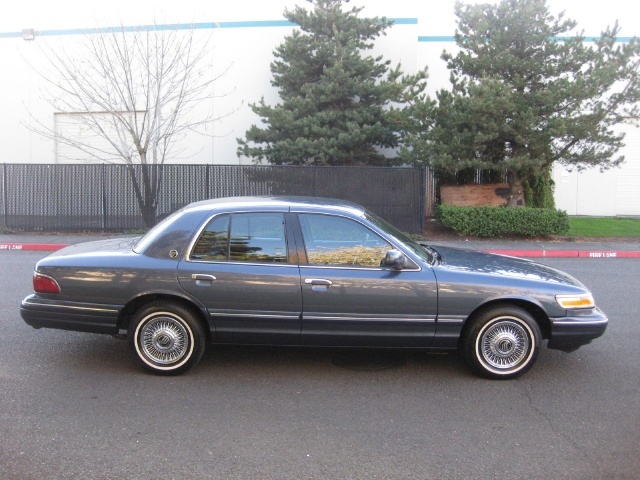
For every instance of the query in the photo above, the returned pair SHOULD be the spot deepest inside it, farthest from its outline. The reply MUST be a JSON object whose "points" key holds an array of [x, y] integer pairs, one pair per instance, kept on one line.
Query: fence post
{"points": [[423, 198], [104, 197], [315, 179], [207, 180], [4, 193]]}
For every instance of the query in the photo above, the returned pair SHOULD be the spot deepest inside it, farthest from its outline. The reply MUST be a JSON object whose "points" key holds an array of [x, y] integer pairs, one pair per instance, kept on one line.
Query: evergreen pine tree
{"points": [[335, 107], [526, 95]]}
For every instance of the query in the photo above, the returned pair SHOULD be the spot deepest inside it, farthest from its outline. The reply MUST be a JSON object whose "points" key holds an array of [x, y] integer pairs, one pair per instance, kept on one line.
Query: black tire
{"points": [[165, 338], [502, 342]]}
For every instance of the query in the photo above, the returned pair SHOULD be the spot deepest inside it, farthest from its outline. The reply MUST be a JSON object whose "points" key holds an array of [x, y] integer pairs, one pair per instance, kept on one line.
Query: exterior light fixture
{"points": [[28, 34]]}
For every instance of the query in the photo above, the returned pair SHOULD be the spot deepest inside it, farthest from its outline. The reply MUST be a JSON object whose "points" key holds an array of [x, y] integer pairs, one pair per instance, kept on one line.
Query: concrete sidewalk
{"points": [[518, 248]]}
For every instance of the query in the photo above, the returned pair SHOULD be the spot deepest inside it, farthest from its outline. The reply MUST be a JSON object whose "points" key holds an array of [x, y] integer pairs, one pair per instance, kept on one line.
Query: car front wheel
{"points": [[502, 342], [166, 339]]}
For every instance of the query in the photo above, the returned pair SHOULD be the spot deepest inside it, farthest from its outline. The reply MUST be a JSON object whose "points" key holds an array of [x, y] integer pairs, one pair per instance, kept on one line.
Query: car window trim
{"points": [[298, 230], [194, 241]]}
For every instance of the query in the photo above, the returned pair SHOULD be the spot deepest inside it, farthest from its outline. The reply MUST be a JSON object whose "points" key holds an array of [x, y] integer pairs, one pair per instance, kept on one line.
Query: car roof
{"points": [[292, 203]]}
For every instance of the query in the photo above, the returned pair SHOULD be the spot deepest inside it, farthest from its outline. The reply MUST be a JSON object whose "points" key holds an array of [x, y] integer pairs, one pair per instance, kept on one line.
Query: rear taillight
{"points": [[44, 284]]}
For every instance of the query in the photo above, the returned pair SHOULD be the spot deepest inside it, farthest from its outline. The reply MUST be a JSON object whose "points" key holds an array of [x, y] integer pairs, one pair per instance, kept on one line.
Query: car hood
{"points": [[488, 263], [121, 245]]}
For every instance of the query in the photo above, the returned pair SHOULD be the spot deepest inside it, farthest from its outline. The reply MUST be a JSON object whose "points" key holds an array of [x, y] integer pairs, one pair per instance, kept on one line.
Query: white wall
{"points": [[247, 52], [591, 192]]}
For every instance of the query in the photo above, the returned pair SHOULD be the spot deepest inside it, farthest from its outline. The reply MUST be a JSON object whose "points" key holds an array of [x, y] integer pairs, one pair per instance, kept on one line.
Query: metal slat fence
{"points": [[102, 198]]}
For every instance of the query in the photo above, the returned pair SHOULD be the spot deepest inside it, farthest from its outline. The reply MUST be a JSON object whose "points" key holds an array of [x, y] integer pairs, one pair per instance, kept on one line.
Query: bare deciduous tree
{"points": [[136, 90]]}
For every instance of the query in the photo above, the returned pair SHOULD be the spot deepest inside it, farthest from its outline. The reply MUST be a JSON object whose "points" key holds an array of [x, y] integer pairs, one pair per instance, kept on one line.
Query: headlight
{"points": [[576, 301]]}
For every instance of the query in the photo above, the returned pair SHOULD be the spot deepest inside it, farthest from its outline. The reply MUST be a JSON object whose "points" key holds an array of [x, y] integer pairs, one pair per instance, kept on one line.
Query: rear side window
{"points": [[213, 244], [243, 237]]}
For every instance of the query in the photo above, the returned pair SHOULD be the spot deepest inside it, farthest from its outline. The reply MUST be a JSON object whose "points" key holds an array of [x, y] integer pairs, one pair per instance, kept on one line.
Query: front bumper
{"points": [[82, 317], [571, 332]]}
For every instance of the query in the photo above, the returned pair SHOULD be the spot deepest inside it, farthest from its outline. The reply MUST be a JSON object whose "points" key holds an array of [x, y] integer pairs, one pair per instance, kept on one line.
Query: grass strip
{"points": [[604, 227]]}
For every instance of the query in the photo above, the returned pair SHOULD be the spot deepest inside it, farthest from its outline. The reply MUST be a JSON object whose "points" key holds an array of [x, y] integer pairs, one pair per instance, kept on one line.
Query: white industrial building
{"points": [[244, 35]]}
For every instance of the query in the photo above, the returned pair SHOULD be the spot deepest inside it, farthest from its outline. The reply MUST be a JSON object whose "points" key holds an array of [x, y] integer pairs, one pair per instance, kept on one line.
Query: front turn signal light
{"points": [[44, 284], [576, 301]]}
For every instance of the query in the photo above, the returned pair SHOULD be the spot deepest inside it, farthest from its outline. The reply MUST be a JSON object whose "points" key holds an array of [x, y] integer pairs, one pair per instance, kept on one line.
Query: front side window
{"points": [[243, 237], [331, 240]]}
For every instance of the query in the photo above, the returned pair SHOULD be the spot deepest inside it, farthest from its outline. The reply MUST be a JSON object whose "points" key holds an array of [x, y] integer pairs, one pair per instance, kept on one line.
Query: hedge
{"points": [[498, 221]]}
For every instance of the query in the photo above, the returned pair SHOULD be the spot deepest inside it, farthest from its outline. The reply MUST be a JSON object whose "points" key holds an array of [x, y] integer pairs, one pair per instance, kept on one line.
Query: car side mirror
{"points": [[394, 259]]}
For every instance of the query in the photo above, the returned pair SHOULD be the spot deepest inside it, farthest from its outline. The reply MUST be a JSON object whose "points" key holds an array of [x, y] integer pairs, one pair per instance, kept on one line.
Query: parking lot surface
{"points": [[74, 406]]}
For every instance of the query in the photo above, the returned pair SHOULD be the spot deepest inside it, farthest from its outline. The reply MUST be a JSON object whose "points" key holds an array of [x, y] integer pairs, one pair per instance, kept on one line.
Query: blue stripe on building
{"points": [[177, 26], [445, 38]]}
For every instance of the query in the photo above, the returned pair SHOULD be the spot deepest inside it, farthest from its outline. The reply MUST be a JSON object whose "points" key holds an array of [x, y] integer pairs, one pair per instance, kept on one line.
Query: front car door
{"points": [[349, 299], [243, 268]]}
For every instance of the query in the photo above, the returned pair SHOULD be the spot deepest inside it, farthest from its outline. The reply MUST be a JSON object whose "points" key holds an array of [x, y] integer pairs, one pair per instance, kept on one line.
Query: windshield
{"points": [[386, 227]]}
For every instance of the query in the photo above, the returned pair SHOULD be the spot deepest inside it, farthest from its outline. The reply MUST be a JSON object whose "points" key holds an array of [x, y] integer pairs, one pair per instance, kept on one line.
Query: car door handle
{"points": [[318, 281], [202, 279], [318, 284]]}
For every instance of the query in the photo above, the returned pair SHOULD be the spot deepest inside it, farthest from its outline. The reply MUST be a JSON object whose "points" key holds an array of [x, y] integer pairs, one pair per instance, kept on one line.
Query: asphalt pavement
{"points": [[74, 406], [534, 248]]}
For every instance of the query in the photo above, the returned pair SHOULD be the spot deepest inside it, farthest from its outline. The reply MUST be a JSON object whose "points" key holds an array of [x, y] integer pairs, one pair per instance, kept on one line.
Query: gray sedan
{"points": [[306, 271]]}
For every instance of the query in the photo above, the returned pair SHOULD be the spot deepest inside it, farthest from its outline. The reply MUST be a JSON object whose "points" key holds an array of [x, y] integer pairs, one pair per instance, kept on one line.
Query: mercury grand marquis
{"points": [[306, 272]]}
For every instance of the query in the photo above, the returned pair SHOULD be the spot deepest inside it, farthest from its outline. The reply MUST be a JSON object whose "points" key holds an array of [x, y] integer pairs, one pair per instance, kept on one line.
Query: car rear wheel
{"points": [[502, 342], [166, 339]]}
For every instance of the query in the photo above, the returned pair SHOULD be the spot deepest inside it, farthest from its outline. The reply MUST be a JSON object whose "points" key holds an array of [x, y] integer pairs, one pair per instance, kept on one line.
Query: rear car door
{"points": [[243, 268], [349, 299]]}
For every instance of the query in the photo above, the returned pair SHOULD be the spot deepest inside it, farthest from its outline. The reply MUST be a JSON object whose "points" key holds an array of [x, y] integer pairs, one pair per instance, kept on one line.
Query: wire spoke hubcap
{"points": [[504, 344], [164, 340]]}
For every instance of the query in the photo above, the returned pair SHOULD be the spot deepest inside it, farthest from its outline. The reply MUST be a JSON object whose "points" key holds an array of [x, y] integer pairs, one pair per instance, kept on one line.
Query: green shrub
{"points": [[538, 192], [497, 221]]}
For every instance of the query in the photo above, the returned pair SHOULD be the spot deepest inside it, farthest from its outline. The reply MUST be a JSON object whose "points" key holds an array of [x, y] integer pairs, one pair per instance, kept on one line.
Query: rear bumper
{"points": [[82, 317], [570, 333]]}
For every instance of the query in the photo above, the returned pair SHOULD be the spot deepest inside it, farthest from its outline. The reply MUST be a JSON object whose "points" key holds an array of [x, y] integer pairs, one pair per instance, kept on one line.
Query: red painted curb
{"points": [[44, 247], [567, 253]]}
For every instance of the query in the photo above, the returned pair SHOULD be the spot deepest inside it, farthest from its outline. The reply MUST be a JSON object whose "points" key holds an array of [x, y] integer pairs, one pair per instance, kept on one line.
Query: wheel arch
{"points": [[535, 310], [135, 304]]}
